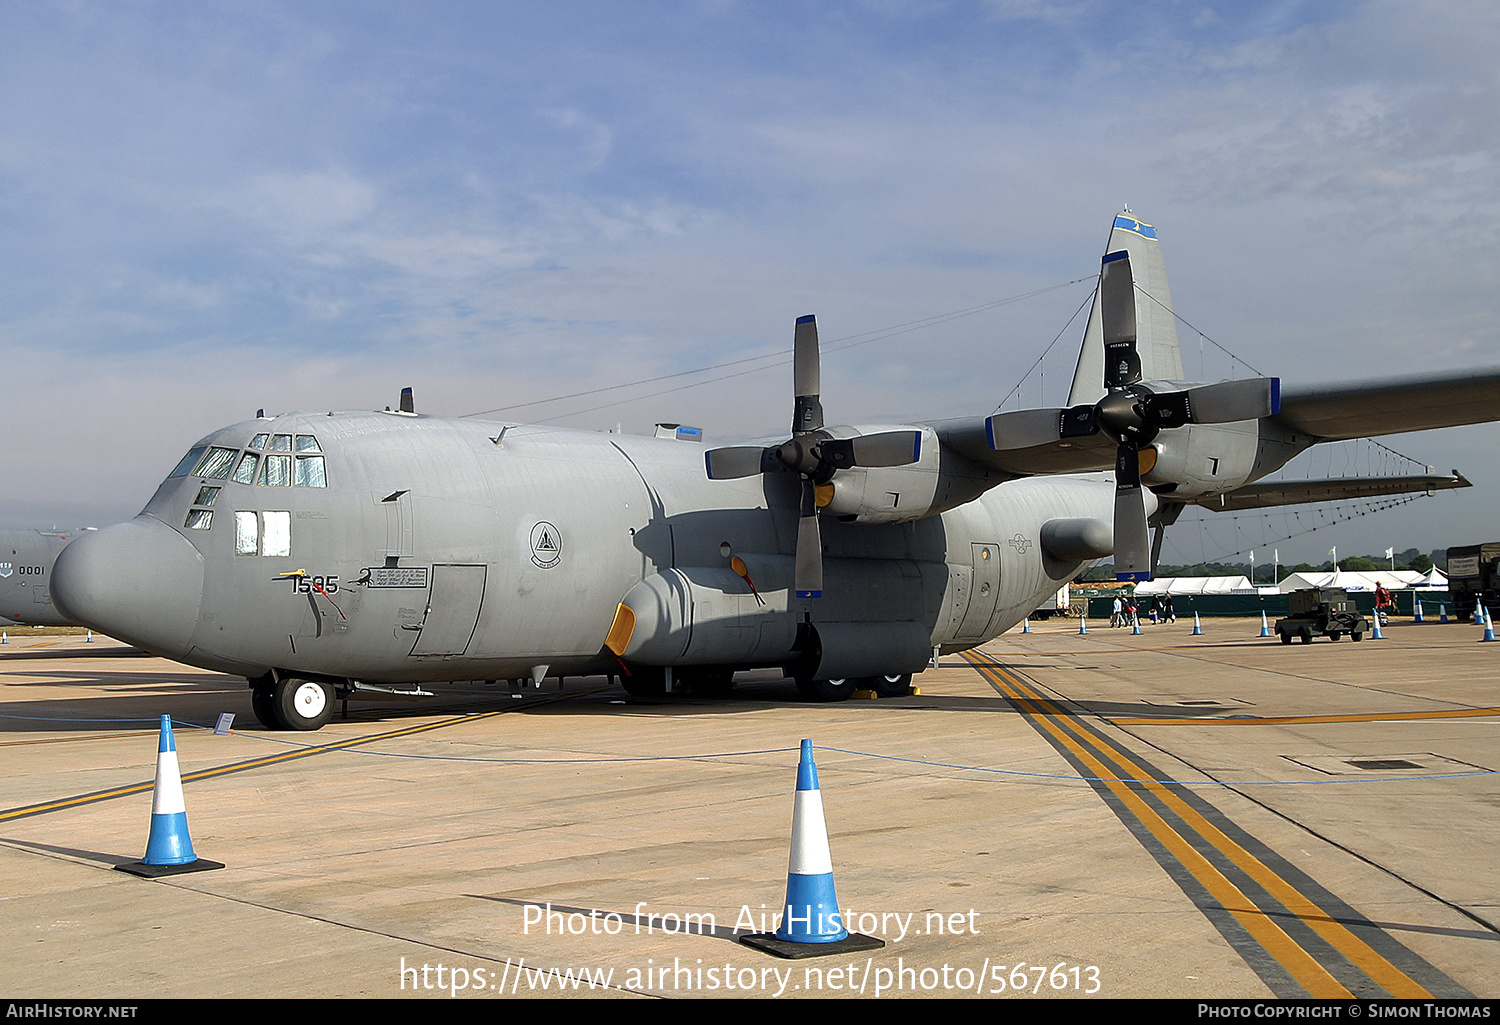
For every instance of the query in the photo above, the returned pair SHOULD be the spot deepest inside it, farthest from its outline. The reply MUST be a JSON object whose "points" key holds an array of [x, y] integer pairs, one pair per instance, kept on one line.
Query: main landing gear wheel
{"points": [[645, 682], [891, 685], [709, 683], [826, 690], [302, 704], [261, 703]]}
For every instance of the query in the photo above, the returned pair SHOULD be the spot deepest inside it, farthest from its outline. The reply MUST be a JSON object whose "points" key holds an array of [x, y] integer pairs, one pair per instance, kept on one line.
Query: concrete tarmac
{"points": [[1160, 815]]}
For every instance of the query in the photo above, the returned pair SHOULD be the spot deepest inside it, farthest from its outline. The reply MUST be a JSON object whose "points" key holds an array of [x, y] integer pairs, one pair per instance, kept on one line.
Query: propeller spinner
{"points": [[813, 454]]}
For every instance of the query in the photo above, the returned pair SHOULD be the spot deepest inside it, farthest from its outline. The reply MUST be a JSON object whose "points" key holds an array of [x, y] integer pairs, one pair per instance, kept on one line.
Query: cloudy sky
{"points": [[206, 208]]}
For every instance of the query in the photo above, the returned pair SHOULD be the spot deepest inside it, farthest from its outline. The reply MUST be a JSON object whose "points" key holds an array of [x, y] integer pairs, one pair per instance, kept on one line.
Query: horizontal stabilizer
{"points": [[1295, 492], [1392, 406]]}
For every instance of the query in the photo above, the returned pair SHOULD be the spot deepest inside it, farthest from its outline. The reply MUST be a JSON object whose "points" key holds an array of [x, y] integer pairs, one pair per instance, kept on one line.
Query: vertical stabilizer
{"points": [[1161, 359]]}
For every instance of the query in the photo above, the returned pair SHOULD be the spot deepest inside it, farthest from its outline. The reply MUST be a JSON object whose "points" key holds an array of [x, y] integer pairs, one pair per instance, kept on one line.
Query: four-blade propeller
{"points": [[814, 454], [1131, 413]]}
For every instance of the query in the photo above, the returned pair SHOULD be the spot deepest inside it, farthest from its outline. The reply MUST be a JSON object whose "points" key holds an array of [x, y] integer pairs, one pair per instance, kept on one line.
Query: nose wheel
{"points": [[293, 703]]}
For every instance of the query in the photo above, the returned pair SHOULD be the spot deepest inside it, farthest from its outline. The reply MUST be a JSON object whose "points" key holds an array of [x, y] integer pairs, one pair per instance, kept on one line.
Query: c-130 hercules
{"points": [[324, 555]]}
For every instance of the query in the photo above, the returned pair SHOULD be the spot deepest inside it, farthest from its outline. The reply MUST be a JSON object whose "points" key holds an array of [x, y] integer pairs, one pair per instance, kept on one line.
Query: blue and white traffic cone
{"points": [[1489, 627], [1197, 626], [1417, 618], [169, 849], [1478, 615], [1442, 613], [1135, 624], [812, 924], [812, 909], [1265, 627], [1026, 626], [4, 637], [1376, 634], [1083, 624], [90, 638], [169, 843]]}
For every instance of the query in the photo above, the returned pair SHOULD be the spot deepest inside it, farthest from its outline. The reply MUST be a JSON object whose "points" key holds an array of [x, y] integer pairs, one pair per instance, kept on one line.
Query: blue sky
{"points": [[206, 208]]}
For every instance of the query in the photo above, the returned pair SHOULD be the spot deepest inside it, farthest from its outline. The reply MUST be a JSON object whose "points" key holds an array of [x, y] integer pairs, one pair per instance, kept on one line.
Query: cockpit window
{"points": [[276, 471], [245, 472], [216, 462], [206, 496], [281, 443], [307, 443], [188, 462], [310, 472], [199, 519], [259, 441]]}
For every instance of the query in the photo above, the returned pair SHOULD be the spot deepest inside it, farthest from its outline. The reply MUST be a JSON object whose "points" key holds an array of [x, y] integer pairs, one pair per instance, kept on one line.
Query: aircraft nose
{"points": [[139, 581]]}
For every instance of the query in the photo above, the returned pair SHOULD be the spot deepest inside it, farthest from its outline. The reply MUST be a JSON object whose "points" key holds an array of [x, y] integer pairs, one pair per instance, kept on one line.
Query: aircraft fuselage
{"points": [[391, 548]]}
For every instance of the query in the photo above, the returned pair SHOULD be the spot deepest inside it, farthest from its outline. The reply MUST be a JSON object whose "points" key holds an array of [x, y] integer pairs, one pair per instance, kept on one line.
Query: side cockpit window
{"points": [[216, 463], [188, 462]]}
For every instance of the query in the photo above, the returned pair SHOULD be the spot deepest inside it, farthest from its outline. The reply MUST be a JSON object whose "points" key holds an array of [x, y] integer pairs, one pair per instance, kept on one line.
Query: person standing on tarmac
{"points": [[1384, 606]]}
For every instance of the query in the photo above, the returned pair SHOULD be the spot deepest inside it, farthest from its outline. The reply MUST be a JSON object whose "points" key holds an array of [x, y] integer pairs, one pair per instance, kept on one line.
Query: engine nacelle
{"points": [[885, 494], [1203, 459]]}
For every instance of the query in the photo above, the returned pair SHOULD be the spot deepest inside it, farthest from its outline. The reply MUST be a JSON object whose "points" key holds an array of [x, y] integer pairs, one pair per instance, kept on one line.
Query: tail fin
{"points": [[1161, 358]]}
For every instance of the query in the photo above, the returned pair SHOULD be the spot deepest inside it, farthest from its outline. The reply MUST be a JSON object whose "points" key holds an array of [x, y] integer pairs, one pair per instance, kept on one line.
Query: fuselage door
{"points": [[452, 610], [983, 591]]}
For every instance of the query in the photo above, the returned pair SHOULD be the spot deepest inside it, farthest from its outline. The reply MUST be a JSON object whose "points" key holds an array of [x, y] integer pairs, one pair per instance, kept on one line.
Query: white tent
{"points": [[1350, 581], [1195, 585]]}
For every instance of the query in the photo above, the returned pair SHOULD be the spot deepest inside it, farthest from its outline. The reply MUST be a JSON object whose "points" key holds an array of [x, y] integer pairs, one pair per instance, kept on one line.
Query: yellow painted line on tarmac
{"points": [[1303, 967], [69, 740], [1296, 720], [79, 800]]}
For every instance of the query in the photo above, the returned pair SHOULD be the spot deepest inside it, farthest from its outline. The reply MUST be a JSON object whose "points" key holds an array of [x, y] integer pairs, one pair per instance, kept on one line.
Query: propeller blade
{"points": [[1234, 400], [808, 579], [891, 448], [739, 461], [807, 414], [1026, 428], [1132, 536], [1122, 364], [1221, 403]]}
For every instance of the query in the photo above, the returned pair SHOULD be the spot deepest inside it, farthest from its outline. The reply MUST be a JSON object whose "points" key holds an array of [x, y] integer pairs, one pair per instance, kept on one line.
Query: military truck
{"points": [[1321, 611], [1474, 577]]}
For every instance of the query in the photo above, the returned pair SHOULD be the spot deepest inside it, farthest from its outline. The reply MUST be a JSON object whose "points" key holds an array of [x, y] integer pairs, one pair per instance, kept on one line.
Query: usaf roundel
{"points": [[546, 545]]}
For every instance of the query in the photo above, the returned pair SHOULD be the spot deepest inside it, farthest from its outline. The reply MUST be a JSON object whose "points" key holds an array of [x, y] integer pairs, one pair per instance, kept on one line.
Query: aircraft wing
{"points": [[1295, 492], [969, 436], [1392, 406]]}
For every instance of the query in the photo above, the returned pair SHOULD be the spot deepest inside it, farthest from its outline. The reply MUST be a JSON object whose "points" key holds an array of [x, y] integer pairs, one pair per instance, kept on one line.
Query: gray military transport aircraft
{"points": [[26, 560], [339, 554]]}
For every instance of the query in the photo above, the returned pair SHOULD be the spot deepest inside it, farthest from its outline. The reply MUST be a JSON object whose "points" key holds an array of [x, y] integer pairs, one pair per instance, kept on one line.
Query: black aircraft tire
{"points": [[710, 683], [645, 682], [826, 690], [262, 703], [1334, 635], [301, 704], [1356, 636], [892, 685]]}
